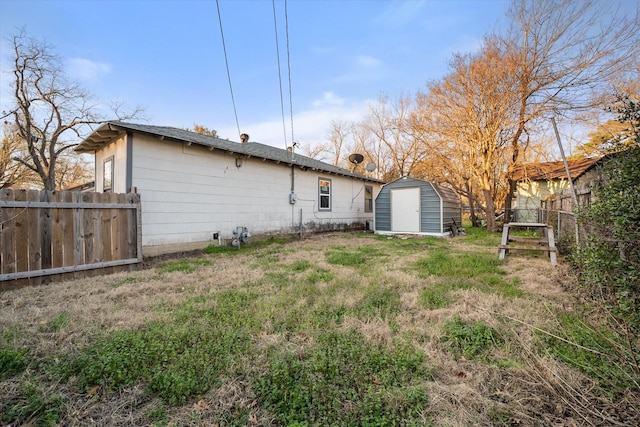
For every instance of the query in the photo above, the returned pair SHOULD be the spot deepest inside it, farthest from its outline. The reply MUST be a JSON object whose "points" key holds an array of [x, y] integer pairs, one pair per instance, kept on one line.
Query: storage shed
{"points": [[414, 206]]}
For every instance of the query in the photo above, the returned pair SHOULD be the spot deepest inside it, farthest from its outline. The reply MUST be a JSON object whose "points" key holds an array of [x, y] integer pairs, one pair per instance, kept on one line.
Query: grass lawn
{"points": [[340, 329]]}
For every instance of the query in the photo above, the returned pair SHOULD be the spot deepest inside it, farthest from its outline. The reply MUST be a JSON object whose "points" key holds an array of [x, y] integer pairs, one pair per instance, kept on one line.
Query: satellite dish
{"points": [[371, 167], [356, 158]]}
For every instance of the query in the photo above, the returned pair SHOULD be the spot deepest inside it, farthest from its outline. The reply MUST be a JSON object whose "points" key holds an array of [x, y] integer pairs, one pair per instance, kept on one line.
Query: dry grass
{"points": [[527, 390]]}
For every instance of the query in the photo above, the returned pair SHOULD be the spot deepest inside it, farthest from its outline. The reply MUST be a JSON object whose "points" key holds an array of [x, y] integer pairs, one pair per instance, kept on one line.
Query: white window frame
{"points": [[368, 204], [107, 181], [324, 192]]}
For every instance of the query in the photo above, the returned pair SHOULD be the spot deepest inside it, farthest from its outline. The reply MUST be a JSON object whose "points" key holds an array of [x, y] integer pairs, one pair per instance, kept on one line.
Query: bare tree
{"points": [[72, 170], [464, 123], [50, 110], [388, 122], [339, 133], [12, 172], [563, 52], [374, 151], [203, 130]]}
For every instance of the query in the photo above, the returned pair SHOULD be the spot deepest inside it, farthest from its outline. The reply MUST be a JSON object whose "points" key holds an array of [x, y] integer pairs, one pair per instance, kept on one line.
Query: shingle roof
{"points": [[553, 170], [111, 130]]}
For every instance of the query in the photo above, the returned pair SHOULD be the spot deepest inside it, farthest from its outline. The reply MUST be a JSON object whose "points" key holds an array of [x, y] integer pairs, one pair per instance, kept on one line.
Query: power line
{"points": [[286, 24], [275, 27], [224, 48]]}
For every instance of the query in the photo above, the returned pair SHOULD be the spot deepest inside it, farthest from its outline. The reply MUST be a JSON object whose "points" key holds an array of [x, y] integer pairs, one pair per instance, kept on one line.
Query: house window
{"points": [[324, 194], [368, 198], [107, 175]]}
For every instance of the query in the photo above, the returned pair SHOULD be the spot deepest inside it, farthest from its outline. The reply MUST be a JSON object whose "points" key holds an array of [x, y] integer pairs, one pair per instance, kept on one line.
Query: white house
{"points": [[193, 186], [537, 182]]}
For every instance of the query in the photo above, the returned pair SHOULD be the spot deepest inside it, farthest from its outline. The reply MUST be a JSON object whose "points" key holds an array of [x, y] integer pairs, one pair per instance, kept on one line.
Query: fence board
{"points": [[123, 234], [107, 220], [21, 224], [45, 221], [67, 232], [78, 235], [7, 256], [60, 235], [34, 232], [57, 233], [87, 228]]}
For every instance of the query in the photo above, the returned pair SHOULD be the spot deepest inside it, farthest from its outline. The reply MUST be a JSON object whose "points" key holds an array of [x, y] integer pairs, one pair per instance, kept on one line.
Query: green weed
{"points": [[320, 276], [346, 258], [33, 406], [596, 351], [437, 296], [13, 361], [480, 236], [301, 265], [359, 256], [500, 417], [158, 415], [345, 380], [221, 249], [55, 324], [378, 303], [464, 271], [125, 281], [470, 339], [444, 263], [183, 265], [177, 359]]}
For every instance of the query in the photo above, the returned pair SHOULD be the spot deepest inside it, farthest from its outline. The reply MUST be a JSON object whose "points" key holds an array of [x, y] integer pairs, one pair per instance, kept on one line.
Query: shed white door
{"points": [[405, 210]]}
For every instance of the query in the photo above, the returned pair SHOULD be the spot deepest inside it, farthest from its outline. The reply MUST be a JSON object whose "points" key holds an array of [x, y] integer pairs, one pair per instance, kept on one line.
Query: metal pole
{"points": [[574, 197]]}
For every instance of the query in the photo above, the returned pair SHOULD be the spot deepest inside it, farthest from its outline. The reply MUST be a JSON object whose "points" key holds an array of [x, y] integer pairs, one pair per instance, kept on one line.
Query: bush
{"points": [[609, 260]]}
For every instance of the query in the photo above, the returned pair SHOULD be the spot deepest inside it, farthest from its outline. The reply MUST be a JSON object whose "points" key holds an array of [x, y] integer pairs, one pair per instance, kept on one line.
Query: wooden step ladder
{"points": [[545, 243]]}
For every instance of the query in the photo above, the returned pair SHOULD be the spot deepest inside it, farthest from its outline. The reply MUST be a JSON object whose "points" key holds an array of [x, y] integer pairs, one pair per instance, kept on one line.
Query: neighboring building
{"points": [[537, 182], [87, 187], [193, 186], [413, 206]]}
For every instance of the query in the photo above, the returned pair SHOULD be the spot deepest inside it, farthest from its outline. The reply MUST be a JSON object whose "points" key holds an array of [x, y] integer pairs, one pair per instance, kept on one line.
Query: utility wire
{"points": [[275, 27], [286, 23], [224, 48]]}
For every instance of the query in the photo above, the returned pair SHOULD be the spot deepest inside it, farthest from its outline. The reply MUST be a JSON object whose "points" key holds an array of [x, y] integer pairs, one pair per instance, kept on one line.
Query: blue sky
{"points": [[167, 56]]}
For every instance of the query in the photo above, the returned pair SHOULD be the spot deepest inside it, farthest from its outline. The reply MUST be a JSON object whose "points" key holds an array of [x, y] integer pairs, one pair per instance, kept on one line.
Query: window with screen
{"points": [[324, 194], [368, 198]]}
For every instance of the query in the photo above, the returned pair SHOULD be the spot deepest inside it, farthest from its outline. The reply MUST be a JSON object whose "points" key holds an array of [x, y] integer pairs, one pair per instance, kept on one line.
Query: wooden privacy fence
{"points": [[61, 235]]}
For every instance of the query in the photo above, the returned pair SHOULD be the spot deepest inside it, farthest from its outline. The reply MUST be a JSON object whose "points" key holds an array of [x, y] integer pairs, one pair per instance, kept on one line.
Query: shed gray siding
{"points": [[451, 207], [438, 206]]}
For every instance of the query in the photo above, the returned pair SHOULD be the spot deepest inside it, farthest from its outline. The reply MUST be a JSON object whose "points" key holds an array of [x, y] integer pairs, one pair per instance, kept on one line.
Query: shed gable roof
{"points": [[109, 131]]}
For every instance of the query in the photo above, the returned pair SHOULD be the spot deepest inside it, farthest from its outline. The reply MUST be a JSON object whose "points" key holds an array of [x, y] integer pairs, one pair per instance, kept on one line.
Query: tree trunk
{"points": [[508, 209], [472, 208], [491, 210]]}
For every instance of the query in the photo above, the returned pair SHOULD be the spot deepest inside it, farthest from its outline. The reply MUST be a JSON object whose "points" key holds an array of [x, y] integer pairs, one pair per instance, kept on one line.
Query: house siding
{"points": [[189, 192], [531, 194], [117, 149]]}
